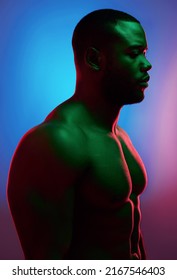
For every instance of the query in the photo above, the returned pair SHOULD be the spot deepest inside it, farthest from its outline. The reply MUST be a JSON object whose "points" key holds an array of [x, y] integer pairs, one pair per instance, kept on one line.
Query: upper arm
{"points": [[41, 192]]}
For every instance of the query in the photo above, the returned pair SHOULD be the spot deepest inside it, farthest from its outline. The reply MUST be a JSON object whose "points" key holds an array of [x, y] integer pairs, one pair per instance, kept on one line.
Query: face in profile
{"points": [[126, 72]]}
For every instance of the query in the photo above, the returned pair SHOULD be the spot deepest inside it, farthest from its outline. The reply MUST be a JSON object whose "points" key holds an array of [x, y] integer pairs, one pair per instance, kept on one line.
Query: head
{"points": [[109, 48]]}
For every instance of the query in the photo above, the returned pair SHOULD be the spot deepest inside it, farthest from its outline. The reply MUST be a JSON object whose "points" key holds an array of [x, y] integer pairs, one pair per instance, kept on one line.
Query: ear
{"points": [[93, 58]]}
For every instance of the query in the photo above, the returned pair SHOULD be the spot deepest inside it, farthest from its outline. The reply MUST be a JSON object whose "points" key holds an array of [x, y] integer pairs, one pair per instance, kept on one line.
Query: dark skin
{"points": [[75, 180]]}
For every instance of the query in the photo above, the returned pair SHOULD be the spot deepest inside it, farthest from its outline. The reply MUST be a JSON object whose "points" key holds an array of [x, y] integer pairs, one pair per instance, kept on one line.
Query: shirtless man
{"points": [[75, 180]]}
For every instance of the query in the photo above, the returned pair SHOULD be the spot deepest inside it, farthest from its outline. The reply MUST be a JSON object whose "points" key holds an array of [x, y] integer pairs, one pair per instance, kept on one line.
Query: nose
{"points": [[146, 66]]}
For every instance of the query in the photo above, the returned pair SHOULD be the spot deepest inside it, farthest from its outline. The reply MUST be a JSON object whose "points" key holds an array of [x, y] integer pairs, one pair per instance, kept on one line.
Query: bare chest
{"points": [[116, 170]]}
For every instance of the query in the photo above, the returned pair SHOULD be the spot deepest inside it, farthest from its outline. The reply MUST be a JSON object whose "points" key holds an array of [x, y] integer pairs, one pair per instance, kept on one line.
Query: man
{"points": [[75, 179]]}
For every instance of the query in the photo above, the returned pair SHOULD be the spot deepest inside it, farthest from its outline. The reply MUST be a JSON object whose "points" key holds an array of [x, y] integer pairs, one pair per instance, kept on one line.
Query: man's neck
{"points": [[104, 114]]}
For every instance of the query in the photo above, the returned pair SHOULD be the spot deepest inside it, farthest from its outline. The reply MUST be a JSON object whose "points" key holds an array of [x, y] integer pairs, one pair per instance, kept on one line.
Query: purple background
{"points": [[37, 73]]}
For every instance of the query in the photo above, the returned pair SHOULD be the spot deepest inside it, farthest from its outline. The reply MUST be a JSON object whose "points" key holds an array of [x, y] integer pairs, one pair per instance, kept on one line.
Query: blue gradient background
{"points": [[37, 73]]}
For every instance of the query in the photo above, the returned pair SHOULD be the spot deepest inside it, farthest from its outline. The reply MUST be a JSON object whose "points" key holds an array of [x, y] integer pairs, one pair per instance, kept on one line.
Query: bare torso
{"points": [[74, 190], [107, 215]]}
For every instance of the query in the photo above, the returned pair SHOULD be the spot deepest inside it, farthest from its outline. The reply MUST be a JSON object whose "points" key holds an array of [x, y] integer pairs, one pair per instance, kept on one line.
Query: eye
{"points": [[134, 54]]}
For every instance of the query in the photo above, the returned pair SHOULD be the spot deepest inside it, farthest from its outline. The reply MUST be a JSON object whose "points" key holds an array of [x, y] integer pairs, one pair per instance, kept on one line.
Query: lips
{"points": [[144, 81]]}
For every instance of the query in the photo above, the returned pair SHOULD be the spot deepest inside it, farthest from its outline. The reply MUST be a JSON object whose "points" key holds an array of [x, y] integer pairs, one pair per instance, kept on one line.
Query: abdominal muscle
{"points": [[102, 233]]}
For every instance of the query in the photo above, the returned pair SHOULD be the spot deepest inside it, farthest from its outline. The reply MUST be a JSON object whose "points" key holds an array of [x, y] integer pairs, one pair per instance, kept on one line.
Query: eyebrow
{"points": [[140, 47]]}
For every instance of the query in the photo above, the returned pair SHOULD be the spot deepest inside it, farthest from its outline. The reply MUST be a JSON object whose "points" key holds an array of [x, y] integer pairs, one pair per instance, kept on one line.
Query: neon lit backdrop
{"points": [[37, 73]]}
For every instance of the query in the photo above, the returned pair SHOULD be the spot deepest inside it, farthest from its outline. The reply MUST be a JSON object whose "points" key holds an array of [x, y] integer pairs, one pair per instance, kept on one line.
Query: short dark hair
{"points": [[93, 27]]}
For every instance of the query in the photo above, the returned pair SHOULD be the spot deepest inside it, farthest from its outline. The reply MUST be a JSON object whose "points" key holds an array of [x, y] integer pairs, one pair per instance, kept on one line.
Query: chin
{"points": [[137, 97]]}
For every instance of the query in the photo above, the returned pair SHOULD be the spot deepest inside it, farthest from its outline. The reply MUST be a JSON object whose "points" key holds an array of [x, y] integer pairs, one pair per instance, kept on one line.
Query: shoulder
{"points": [[51, 143], [49, 158], [122, 135]]}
